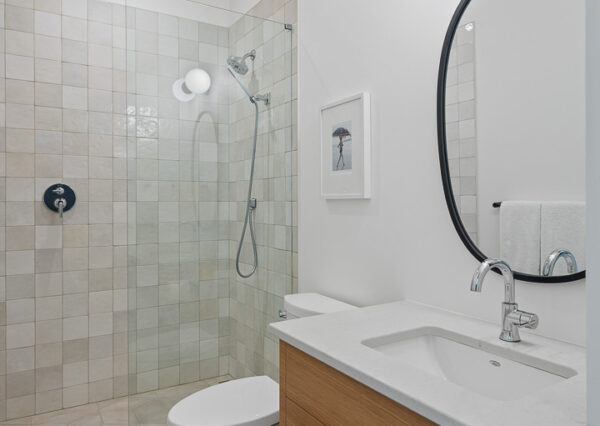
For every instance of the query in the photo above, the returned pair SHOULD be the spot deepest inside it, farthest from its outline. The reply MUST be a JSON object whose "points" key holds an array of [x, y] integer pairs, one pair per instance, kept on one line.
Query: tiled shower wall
{"points": [[63, 299], [255, 302], [461, 125], [178, 286], [85, 100]]}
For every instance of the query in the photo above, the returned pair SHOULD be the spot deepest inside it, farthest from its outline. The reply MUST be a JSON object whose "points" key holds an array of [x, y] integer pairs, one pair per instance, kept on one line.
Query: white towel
{"points": [[520, 235], [563, 227]]}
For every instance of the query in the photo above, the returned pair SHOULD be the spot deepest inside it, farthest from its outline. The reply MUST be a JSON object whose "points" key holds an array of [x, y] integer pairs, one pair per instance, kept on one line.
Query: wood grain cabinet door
{"points": [[313, 393]]}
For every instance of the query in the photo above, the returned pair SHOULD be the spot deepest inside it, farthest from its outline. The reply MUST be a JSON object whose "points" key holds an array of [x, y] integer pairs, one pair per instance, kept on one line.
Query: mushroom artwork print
{"points": [[341, 146]]}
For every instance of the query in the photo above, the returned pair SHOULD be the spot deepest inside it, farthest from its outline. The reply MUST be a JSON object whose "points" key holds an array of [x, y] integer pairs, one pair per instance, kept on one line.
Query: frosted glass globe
{"points": [[197, 81]]}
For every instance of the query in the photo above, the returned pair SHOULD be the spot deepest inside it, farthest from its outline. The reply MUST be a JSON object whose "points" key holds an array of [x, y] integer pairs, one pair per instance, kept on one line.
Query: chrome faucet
{"points": [[553, 257], [512, 317]]}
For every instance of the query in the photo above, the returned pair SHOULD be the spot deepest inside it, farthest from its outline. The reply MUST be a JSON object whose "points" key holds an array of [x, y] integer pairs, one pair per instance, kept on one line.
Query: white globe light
{"points": [[197, 81]]}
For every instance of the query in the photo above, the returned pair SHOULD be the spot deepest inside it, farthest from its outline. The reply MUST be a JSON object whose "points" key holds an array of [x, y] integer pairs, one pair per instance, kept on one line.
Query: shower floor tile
{"points": [[145, 409]]}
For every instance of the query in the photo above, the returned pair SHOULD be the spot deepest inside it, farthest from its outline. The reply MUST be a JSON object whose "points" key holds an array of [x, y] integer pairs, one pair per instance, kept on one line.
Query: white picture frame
{"points": [[346, 148]]}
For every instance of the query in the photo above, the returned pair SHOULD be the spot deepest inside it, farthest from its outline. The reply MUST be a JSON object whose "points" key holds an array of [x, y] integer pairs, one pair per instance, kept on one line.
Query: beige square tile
{"points": [[49, 260], [48, 378], [74, 28], [47, 94], [75, 236], [74, 52], [100, 302], [48, 47], [75, 351], [20, 335], [75, 97], [19, 262], [19, 213], [20, 165], [100, 369], [47, 118], [20, 237], [48, 284], [19, 18], [19, 43], [52, 6], [75, 395], [75, 74], [101, 235], [75, 166], [20, 116], [48, 355], [75, 282], [101, 257], [20, 140], [101, 167], [101, 279], [101, 212], [48, 142], [48, 166], [47, 308], [101, 390], [75, 305], [48, 401], [20, 406], [47, 23], [101, 347], [75, 373], [48, 237], [19, 189], [20, 311], [101, 190], [21, 359], [101, 324], [75, 328], [75, 8], [19, 92], [19, 67], [75, 259], [48, 71], [49, 331]]}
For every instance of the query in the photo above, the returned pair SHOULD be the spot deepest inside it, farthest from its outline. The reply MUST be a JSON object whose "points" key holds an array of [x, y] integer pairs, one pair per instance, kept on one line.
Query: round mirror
{"points": [[511, 133]]}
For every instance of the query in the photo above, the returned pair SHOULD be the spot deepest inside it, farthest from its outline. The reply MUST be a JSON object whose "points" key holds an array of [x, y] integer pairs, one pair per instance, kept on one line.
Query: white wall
{"points": [[401, 243], [593, 210], [530, 105]]}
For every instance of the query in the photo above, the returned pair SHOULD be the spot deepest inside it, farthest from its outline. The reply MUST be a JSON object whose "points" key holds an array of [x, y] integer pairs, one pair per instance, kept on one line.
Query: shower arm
{"points": [[234, 74]]}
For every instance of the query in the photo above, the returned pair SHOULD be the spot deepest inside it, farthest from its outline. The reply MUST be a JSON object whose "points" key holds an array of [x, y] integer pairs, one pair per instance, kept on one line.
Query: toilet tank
{"points": [[309, 304]]}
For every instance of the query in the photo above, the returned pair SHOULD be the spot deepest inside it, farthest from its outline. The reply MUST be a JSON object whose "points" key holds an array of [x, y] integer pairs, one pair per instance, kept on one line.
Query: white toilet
{"points": [[252, 401]]}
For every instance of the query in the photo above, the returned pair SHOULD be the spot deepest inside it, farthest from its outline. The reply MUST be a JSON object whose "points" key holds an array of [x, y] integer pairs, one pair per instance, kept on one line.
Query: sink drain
{"points": [[495, 363]]}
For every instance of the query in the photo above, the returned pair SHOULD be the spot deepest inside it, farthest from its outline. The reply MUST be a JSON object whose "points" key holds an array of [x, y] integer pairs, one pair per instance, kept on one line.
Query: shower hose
{"points": [[250, 208]]}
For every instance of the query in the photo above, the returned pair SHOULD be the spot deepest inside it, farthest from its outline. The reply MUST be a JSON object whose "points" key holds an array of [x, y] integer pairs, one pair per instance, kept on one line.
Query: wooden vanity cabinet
{"points": [[313, 393]]}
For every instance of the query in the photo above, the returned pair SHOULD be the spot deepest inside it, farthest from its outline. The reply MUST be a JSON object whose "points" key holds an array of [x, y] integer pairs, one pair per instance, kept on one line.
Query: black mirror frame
{"points": [[443, 154]]}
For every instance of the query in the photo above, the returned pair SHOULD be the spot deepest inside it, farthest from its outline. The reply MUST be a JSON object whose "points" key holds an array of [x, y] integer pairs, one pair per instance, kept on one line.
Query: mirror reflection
{"points": [[515, 124]]}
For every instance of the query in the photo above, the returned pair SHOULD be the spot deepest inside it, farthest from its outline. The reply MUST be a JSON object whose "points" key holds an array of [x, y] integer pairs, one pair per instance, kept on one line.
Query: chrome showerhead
{"points": [[238, 64]]}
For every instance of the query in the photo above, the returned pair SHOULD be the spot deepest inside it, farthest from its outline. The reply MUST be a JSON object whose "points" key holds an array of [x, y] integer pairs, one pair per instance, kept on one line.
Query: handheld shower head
{"points": [[238, 64]]}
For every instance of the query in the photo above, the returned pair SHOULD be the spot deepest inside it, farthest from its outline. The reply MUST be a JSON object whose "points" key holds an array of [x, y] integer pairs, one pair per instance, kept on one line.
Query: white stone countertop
{"points": [[335, 339]]}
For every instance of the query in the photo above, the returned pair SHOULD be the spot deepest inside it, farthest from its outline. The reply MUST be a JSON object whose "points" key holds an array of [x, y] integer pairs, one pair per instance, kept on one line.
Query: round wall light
{"points": [[196, 81]]}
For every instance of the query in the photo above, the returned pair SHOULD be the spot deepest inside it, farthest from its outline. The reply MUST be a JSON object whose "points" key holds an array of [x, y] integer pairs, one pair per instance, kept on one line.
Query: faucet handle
{"points": [[524, 319], [60, 204]]}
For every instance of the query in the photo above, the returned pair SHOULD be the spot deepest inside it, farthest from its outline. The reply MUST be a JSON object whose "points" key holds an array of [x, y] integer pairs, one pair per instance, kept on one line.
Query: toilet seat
{"points": [[252, 401]]}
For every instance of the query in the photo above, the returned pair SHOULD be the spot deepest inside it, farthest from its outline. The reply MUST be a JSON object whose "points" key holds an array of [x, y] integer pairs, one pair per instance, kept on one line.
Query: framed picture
{"points": [[346, 148]]}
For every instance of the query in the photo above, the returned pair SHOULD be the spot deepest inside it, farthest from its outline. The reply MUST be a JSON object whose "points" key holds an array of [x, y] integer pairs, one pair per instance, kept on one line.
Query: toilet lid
{"points": [[252, 401], [308, 304]]}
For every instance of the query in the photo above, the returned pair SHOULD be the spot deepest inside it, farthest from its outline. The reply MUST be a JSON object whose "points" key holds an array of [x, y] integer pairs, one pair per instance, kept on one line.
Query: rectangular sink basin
{"points": [[490, 370]]}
